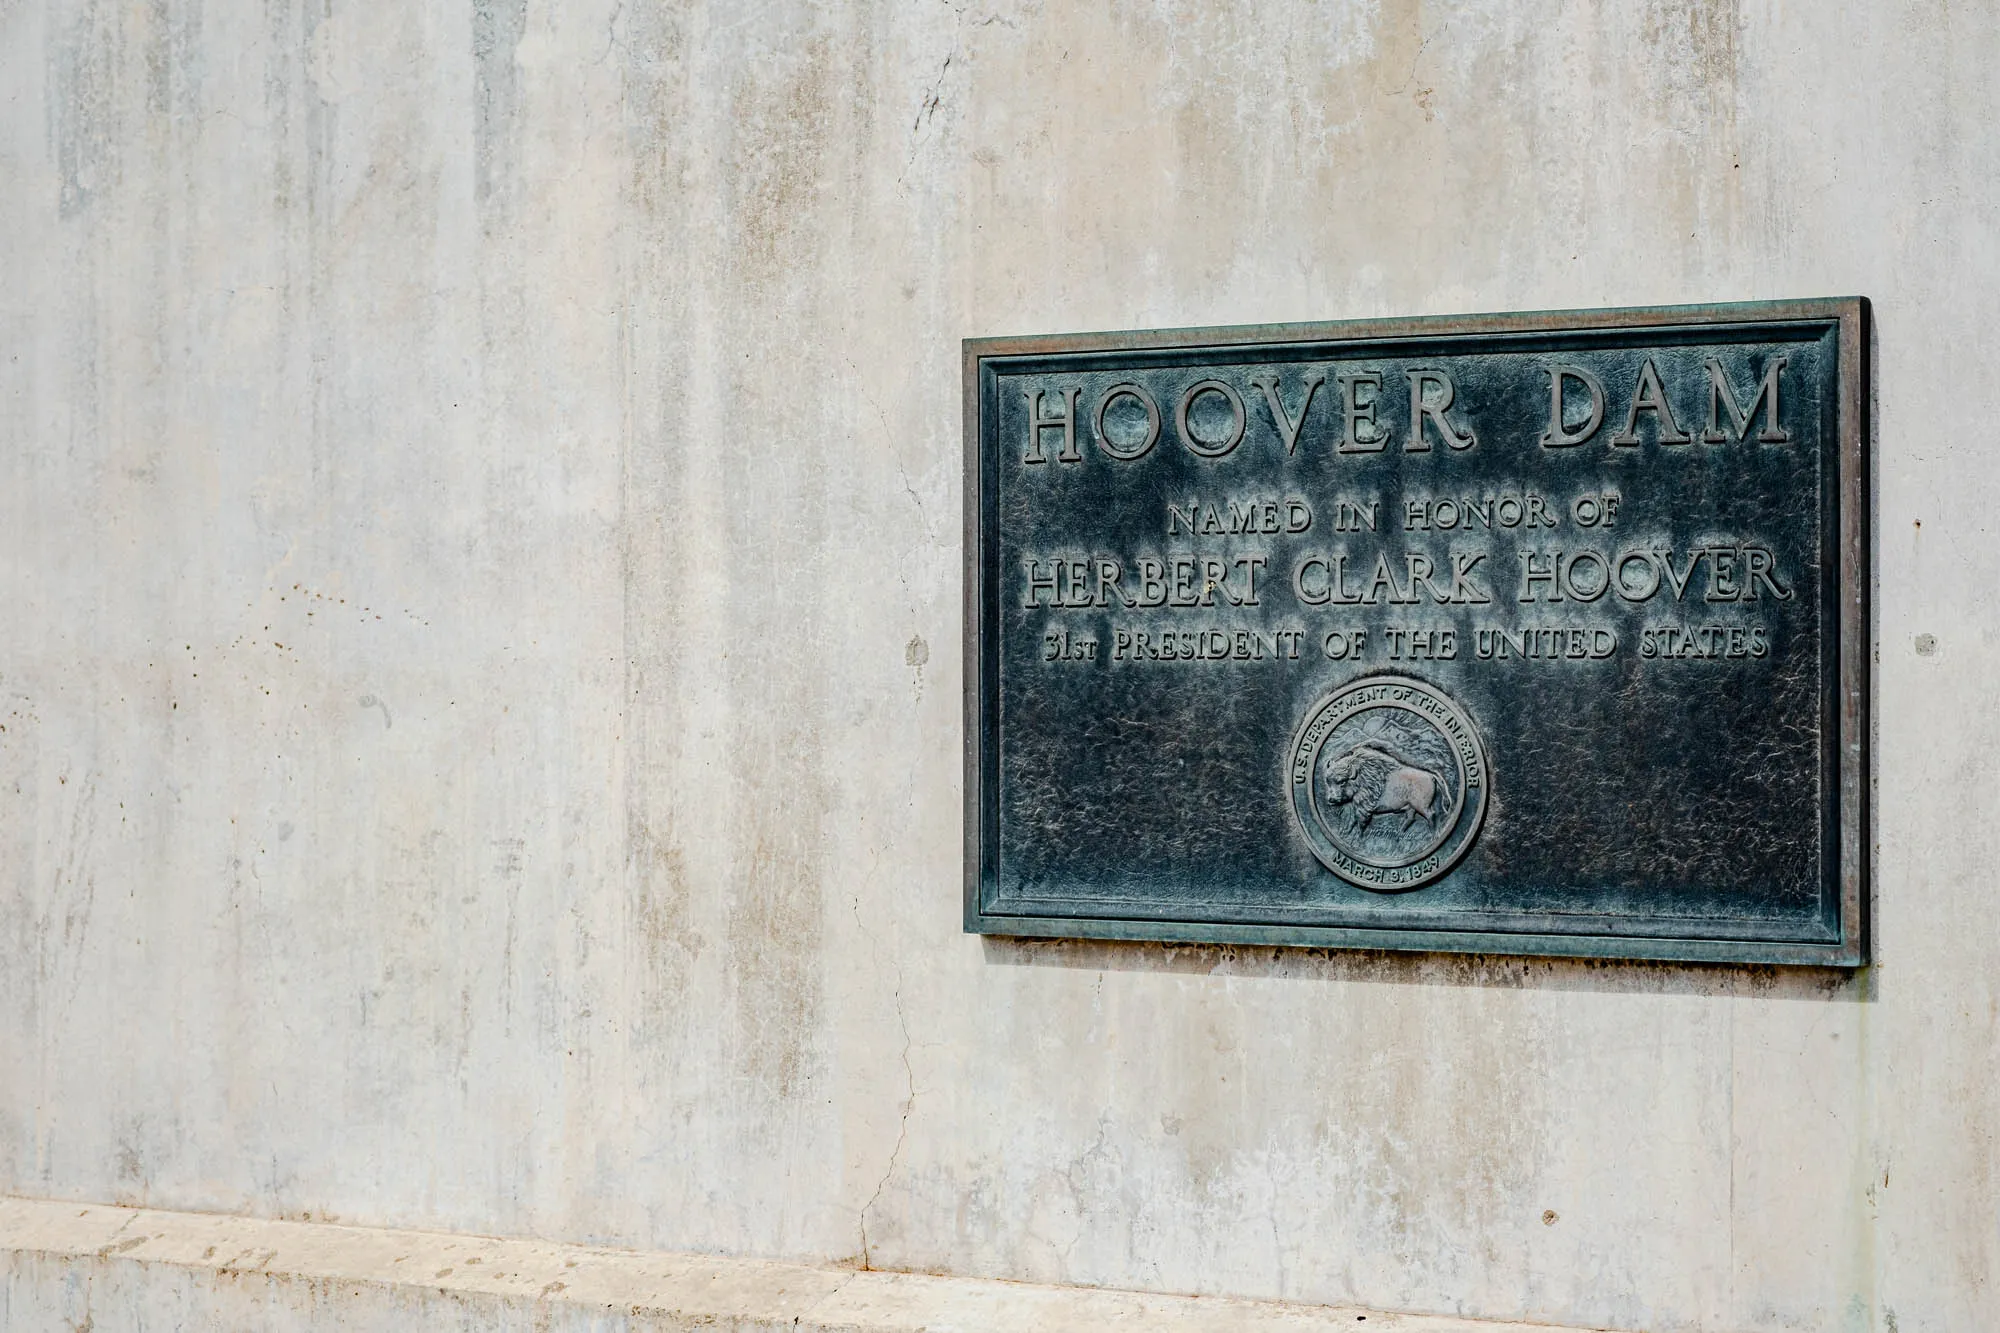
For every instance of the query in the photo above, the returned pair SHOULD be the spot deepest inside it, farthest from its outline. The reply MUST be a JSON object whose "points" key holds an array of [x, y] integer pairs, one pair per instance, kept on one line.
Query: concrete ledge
{"points": [[69, 1265]]}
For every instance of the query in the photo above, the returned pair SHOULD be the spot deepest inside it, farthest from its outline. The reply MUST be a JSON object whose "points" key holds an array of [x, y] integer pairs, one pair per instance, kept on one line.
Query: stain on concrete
{"points": [[497, 28], [781, 154], [82, 107]]}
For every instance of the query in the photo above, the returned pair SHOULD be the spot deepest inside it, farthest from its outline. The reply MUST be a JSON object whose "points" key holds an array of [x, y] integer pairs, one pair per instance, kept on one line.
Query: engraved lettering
{"points": [[1384, 579], [1320, 580], [1339, 645], [1592, 511], [1561, 435], [1650, 396], [1720, 396], [1288, 426], [1312, 581], [1037, 423], [1705, 643], [1076, 573], [1760, 566], [1421, 645], [1594, 585], [1649, 576], [1342, 594], [1212, 644], [1130, 450], [1109, 572], [1723, 573], [1039, 582], [1239, 518], [1064, 646], [1355, 412], [1548, 574], [1420, 570], [1238, 419], [1463, 589], [1678, 580], [1214, 579], [1422, 407], [1544, 643], [1459, 513], [1351, 517], [1251, 565]]}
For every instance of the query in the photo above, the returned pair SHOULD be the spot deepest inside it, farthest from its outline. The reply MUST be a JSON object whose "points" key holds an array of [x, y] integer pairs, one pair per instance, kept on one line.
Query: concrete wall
{"points": [[479, 568]]}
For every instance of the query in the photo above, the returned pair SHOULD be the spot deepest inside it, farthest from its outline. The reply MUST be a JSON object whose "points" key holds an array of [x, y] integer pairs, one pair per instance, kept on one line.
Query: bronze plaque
{"points": [[1530, 633]]}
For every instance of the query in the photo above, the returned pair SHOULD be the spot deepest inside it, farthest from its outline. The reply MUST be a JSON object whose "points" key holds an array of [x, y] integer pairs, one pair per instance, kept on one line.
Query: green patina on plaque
{"points": [[1535, 633]]}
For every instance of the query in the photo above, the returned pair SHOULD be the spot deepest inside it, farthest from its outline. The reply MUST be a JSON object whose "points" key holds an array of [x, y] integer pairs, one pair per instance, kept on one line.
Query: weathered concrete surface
{"points": [[65, 1266], [479, 561]]}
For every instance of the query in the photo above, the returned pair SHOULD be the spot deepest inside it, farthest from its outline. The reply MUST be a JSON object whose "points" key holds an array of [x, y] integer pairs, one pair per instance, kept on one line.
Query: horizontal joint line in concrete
{"points": [[677, 1290]]}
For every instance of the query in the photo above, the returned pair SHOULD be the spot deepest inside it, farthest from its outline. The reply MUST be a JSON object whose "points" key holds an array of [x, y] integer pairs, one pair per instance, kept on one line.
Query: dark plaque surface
{"points": [[1522, 633]]}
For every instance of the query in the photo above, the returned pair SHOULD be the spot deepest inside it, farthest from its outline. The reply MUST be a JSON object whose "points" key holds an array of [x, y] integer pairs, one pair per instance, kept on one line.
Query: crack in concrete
{"points": [[888, 433], [933, 94], [809, 1317], [611, 33], [918, 501], [902, 1127], [909, 1105]]}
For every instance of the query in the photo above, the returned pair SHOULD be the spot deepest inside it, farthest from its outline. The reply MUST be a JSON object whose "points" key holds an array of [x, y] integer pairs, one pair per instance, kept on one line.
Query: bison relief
{"points": [[1378, 781]]}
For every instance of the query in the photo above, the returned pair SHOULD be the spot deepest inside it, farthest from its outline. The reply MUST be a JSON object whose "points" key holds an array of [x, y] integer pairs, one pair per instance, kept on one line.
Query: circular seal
{"points": [[1388, 782]]}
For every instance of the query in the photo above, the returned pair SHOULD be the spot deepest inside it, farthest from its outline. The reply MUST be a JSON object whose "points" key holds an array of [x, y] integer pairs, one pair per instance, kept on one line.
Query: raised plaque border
{"points": [[1852, 571]]}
